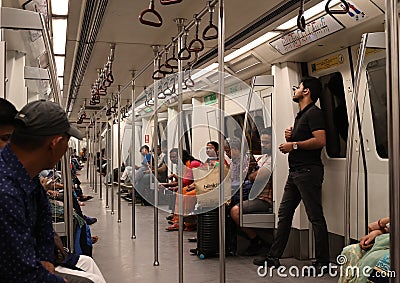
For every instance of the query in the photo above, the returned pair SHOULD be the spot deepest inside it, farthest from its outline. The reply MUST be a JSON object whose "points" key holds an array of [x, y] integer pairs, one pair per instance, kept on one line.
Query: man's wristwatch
{"points": [[295, 145]]}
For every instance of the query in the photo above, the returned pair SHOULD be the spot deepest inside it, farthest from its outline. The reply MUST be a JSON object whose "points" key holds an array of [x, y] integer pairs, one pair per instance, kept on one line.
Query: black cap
{"points": [[45, 118]]}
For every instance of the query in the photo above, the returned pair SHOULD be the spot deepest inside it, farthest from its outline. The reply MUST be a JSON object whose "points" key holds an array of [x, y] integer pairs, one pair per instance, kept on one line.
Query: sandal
{"points": [[174, 227]]}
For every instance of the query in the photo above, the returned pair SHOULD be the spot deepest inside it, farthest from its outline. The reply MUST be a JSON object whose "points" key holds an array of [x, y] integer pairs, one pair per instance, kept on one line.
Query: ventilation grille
{"points": [[245, 63], [93, 16]]}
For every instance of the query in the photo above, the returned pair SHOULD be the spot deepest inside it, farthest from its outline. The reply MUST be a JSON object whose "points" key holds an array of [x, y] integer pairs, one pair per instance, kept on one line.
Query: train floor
{"points": [[123, 259]]}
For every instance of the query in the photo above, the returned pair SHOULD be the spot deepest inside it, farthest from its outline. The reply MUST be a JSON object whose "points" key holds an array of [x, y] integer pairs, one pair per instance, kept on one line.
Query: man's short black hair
{"points": [[214, 144], [27, 141], [7, 112], [266, 131], [144, 146], [314, 85]]}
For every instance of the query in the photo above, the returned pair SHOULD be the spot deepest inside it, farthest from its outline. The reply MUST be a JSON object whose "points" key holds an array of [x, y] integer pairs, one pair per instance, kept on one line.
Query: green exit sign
{"points": [[210, 99], [148, 109]]}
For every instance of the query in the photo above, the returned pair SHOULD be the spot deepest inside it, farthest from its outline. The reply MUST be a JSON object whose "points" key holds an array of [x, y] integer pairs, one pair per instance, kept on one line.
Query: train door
{"points": [[335, 73], [372, 104]]}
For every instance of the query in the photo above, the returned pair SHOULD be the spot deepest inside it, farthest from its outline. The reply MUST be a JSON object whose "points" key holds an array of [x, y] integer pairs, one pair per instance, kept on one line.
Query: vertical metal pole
{"points": [[95, 139], [87, 152], [179, 168], [132, 155], [392, 90], [90, 156], [349, 150], [221, 105], [101, 161], [155, 165], [92, 149], [119, 153], [112, 165], [108, 145], [68, 207]]}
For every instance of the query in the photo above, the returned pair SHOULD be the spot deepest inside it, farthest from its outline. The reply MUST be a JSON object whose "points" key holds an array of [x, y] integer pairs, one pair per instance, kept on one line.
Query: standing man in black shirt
{"points": [[304, 142]]}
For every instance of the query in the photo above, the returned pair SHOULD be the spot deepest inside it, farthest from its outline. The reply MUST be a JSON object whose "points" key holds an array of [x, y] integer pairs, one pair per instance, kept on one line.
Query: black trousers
{"points": [[302, 184]]}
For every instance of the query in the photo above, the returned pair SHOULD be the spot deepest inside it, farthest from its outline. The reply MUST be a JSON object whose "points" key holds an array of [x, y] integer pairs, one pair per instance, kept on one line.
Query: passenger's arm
{"points": [[317, 141], [44, 232], [367, 241], [379, 224], [288, 134], [260, 178], [163, 168], [21, 247]]}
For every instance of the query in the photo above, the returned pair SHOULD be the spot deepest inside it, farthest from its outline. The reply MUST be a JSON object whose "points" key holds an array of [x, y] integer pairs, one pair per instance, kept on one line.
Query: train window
{"points": [[254, 124], [376, 76], [333, 104]]}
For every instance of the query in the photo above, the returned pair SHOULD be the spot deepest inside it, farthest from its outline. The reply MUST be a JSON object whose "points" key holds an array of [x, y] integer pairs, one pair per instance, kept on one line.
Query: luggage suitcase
{"points": [[208, 233]]}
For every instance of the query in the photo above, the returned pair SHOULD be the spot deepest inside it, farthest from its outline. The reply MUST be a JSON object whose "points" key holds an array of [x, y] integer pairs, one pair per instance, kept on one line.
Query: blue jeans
{"points": [[302, 184]]}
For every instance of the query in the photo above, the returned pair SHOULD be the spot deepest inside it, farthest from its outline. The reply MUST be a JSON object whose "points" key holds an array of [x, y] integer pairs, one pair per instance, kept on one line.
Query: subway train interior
{"points": [[141, 78]]}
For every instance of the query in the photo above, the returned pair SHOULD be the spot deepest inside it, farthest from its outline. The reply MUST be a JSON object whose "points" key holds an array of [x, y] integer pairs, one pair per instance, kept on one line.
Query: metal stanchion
{"points": [[155, 153], [112, 165], [180, 23], [92, 150], [101, 162], [119, 153], [87, 152], [68, 206], [108, 146], [221, 106], [392, 89], [132, 156], [95, 139]]}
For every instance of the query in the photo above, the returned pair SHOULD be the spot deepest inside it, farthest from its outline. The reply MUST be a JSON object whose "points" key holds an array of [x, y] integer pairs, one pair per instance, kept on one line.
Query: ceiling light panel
{"points": [[60, 65], [59, 7], [59, 35]]}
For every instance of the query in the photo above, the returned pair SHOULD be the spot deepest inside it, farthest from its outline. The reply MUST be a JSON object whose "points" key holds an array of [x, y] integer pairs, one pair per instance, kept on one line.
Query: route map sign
{"points": [[316, 29]]}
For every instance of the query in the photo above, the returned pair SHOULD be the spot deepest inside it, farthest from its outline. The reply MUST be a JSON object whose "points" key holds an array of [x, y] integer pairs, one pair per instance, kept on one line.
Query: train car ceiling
{"points": [[117, 22]]}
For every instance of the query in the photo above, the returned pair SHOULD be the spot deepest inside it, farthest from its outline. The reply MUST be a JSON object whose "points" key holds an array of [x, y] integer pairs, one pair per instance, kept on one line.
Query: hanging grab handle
{"points": [[211, 28], [345, 10], [181, 55], [196, 45], [165, 68], [173, 61], [170, 2], [301, 22], [150, 10], [158, 75]]}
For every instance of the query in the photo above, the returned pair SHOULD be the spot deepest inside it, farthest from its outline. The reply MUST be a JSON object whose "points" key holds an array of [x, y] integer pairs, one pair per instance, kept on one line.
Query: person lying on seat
{"points": [[372, 248]]}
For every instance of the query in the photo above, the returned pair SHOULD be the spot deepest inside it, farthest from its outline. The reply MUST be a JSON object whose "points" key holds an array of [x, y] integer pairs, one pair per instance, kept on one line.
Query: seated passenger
{"points": [[262, 185], [140, 170], [189, 194], [26, 233], [367, 253], [212, 149], [239, 170]]}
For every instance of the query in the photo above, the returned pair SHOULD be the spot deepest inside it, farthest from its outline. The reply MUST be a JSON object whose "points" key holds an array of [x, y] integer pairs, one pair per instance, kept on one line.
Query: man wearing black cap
{"points": [[26, 233], [304, 142]]}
